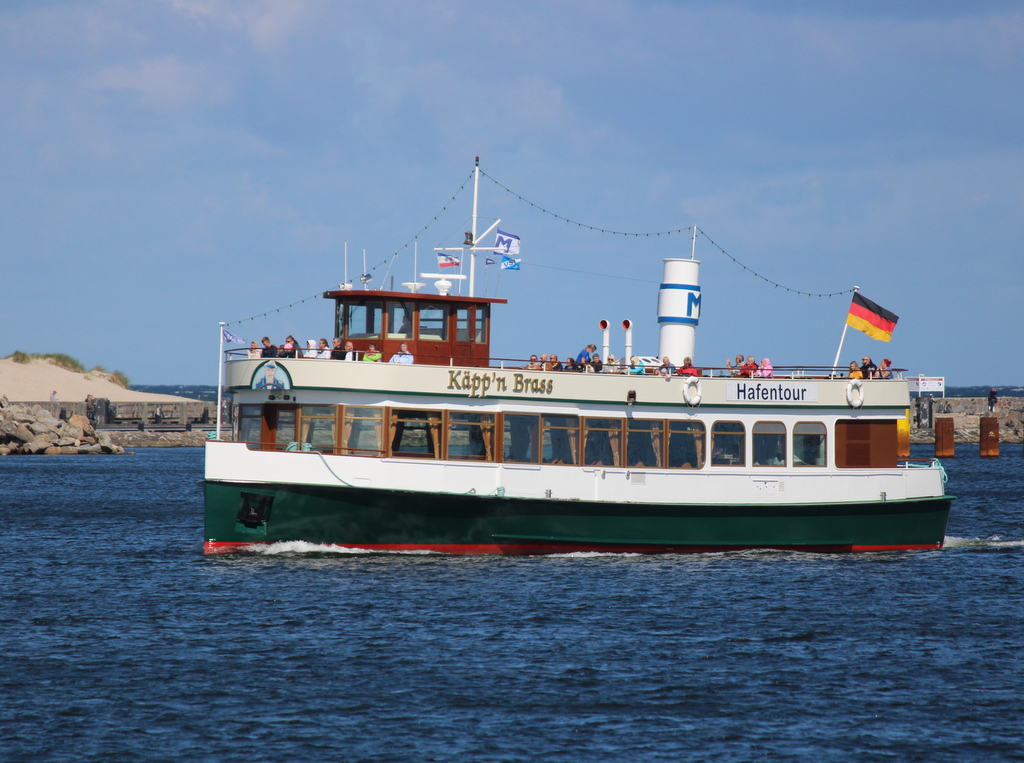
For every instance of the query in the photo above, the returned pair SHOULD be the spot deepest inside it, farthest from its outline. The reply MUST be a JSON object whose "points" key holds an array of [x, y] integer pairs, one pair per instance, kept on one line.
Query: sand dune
{"points": [[34, 381]]}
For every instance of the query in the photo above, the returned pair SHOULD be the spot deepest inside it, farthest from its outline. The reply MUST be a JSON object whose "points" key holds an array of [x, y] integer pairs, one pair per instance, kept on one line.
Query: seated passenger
{"points": [[534, 364], [269, 350], [324, 353], [635, 366], [611, 365], [868, 369], [855, 372], [288, 349], [734, 370], [337, 353], [765, 370], [596, 365], [749, 368], [688, 369], [403, 355], [349, 353], [885, 370], [667, 368], [254, 351], [571, 365], [554, 365], [310, 351], [372, 354]]}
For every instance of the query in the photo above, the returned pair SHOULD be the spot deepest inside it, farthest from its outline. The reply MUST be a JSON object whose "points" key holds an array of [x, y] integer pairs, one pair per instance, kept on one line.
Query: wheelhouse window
{"points": [[602, 442], [415, 434], [470, 436], [284, 427], [686, 444], [464, 324], [521, 438], [317, 427], [434, 323], [362, 431], [480, 333], [363, 321], [810, 441], [643, 443], [561, 439], [728, 446], [399, 325], [250, 419], [769, 443]]}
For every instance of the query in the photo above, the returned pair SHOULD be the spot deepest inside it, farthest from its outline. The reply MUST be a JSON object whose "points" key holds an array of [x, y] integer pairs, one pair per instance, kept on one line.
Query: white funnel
{"points": [[679, 309]]}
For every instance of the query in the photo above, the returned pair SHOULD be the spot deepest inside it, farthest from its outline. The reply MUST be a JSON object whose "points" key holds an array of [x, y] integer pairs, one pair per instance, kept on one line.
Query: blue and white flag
{"points": [[509, 263], [490, 261], [447, 260], [231, 338], [507, 244]]}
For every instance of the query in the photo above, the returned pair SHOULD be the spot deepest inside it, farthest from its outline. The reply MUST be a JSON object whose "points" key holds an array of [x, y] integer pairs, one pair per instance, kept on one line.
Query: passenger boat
{"points": [[457, 453]]}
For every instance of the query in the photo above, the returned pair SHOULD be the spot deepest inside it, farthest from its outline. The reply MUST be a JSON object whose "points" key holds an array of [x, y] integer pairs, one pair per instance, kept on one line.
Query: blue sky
{"points": [[170, 164]]}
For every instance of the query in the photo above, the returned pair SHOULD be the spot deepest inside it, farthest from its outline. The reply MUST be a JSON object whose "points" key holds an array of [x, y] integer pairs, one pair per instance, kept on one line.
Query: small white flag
{"points": [[229, 337]]}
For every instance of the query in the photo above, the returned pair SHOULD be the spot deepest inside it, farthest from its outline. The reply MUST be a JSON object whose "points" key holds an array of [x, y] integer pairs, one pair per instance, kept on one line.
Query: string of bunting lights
{"points": [[660, 233], [389, 260], [768, 280]]}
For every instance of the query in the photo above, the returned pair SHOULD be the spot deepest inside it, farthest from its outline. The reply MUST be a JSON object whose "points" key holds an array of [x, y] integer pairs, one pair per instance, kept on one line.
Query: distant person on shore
{"points": [[269, 350], [372, 354], [4, 402], [403, 356], [254, 350], [885, 370], [992, 400], [855, 372], [53, 396]]}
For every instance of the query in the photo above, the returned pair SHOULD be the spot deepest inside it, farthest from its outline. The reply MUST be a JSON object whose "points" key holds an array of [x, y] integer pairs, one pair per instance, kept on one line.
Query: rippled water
{"points": [[119, 640]]}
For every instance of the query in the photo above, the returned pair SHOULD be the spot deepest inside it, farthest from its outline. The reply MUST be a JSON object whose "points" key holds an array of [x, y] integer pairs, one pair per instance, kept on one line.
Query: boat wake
{"points": [[300, 547], [992, 542]]}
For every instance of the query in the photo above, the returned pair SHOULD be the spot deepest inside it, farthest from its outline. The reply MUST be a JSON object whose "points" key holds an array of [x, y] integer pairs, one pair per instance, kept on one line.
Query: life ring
{"points": [[692, 391], [855, 386]]}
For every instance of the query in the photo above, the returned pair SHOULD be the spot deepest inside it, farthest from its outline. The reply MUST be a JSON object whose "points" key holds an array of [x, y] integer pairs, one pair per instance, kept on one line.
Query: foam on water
{"points": [[994, 542]]}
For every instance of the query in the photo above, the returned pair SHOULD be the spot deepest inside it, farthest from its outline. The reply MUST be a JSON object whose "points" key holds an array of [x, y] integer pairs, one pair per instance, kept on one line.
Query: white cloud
{"points": [[162, 83]]}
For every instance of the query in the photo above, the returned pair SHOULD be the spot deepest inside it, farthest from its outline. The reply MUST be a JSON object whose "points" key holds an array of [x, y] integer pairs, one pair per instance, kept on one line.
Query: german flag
{"points": [[875, 321]]}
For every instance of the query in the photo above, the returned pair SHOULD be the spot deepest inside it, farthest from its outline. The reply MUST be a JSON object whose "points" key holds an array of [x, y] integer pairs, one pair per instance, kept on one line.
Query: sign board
{"points": [[927, 384]]}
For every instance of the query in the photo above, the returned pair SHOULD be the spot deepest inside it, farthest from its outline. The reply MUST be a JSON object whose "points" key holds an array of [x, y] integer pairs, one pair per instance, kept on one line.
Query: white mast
{"points": [[472, 251]]}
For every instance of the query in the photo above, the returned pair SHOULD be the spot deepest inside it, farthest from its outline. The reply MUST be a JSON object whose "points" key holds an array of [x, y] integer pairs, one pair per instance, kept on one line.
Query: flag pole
{"points": [[835, 363], [472, 251], [220, 375]]}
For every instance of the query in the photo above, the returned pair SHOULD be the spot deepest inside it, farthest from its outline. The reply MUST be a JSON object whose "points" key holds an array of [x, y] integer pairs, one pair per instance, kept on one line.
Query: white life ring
{"points": [[855, 386], [692, 391]]}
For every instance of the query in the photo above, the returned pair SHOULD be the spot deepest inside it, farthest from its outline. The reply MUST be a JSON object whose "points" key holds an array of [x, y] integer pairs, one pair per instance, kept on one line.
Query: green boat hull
{"points": [[239, 515]]}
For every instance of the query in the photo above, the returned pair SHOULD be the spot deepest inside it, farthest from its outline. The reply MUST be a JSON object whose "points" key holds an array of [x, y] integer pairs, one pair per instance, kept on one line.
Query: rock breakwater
{"points": [[33, 430]]}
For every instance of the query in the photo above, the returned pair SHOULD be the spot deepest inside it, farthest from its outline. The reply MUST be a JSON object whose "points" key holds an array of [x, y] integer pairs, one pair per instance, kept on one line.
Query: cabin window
{"points": [[728, 444], [866, 444], [362, 431], [809, 443], [363, 321], [463, 324], [521, 438], [249, 424], [317, 426], [685, 444], [434, 323], [415, 434], [769, 443], [470, 436], [399, 324], [561, 439], [480, 335], [284, 426], [643, 443], [602, 442]]}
